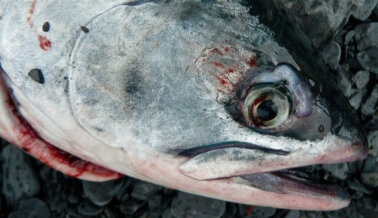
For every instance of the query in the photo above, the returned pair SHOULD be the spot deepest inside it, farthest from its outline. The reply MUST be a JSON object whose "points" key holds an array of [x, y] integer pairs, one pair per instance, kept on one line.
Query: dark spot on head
{"points": [[321, 128], [46, 27], [84, 29], [36, 75]]}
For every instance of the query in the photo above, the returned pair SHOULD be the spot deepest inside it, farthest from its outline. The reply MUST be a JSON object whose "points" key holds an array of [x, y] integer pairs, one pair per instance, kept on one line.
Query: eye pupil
{"points": [[267, 110]]}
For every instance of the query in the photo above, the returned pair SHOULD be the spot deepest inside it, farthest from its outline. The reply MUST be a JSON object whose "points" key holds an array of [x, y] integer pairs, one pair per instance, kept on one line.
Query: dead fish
{"points": [[193, 95]]}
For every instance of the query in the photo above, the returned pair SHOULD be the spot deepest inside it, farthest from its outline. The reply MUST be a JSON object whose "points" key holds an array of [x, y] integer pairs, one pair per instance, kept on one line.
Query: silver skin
{"points": [[156, 90]]}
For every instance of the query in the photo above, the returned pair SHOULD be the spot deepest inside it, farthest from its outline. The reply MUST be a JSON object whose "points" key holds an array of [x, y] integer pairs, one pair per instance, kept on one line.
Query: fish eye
{"points": [[267, 106]]}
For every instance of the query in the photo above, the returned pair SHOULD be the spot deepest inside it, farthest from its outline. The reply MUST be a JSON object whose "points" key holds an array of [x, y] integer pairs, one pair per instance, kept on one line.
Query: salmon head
{"points": [[193, 95]]}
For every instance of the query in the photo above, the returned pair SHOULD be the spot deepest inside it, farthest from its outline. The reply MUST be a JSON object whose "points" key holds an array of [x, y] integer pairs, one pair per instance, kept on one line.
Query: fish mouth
{"points": [[280, 176]]}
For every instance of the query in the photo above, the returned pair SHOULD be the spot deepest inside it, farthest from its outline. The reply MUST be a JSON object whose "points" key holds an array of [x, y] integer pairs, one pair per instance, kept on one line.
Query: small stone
{"points": [[349, 37], [370, 163], [370, 179], [167, 214], [368, 107], [73, 199], [368, 59], [32, 208], [154, 202], [357, 186], [292, 214], [187, 205], [366, 35], [373, 142], [356, 99], [131, 206], [331, 55], [101, 193], [361, 78], [263, 211], [87, 209], [363, 11], [337, 170], [144, 190], [18, 176], [344, 83]]}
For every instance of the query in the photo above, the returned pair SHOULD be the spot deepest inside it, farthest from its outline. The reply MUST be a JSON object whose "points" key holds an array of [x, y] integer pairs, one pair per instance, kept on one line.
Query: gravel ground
{"points": [[346, 38]]}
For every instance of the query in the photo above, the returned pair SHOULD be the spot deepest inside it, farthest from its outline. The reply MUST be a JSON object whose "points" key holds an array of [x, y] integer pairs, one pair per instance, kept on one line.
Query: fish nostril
{"points": [[37, 76], [361, 148], [46, 27]]}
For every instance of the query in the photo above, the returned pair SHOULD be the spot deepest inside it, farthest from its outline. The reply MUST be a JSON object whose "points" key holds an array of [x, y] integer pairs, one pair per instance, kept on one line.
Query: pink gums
{"points": [[28, 140]]}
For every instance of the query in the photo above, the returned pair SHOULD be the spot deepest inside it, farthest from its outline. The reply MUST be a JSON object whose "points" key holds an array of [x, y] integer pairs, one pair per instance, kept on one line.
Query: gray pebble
{"points": [[292, 214], [357, 186], [131, 206], [361, 78], [331, 55], [369, 106], [263, 211], [337, 170], [188, 205], [101, 193], [18, 177], [87, 209], [154, 202], [370, 179], [31, 208], [373, 142], [368, 59], [366, 35], [364, 10], [144, 190], [344, 83], [370, 163], [167, 213], [349, 37], [356, 99]]}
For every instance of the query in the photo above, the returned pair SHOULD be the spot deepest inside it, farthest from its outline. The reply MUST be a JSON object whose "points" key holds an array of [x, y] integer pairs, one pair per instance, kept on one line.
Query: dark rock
{"points": [[31, 208], [187, 205], [370, 178], [344, 83], [349, 37], [331, 55], [364, 9], [144, 190], [167, 213], [292, 214], [73, 198], [370, 163], [373, 142], [320, 20], [337, 170], [263, 212], [366, 35], [154, 202], [361, 78], [369, 106], [131, 206], [88, 209], [357, 186], [18, 176], [368, 59], [101, 193]]}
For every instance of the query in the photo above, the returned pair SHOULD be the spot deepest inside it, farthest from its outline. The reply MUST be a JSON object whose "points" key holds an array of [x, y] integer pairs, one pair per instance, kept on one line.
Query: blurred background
{"points": [[344, 33]]}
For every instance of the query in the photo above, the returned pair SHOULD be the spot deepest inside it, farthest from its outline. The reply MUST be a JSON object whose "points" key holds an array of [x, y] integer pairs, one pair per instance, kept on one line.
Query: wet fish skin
{"points": [[133, 85]]}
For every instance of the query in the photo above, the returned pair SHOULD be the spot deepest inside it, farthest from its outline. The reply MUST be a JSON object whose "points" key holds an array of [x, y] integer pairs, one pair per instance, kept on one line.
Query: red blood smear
{"points": [[218, 64], [231, 70], [31, 10], [257, 102], [44, 42], [222, 81], [28, 140], [251, 62], [216, 51], [227, 49]]}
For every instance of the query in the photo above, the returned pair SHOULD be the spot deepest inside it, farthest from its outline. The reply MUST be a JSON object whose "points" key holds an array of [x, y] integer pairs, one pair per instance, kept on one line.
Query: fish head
{"points": [[196, 96]]}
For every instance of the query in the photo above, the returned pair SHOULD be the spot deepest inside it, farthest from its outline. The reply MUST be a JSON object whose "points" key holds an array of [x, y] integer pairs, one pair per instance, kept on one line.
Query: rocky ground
{"points": [[348, 43]]}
